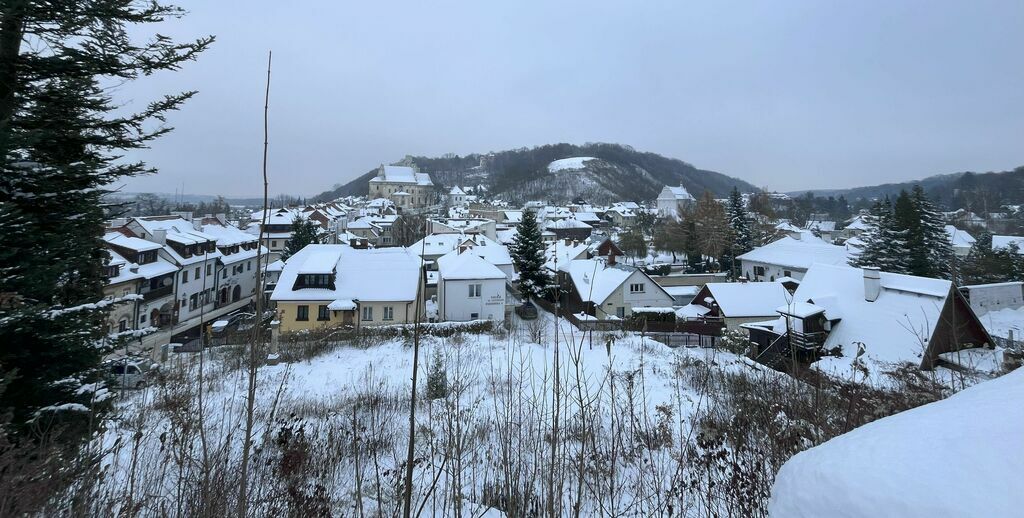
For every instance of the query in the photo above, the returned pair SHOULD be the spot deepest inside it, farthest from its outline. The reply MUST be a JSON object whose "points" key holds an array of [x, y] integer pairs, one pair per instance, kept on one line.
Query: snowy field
{"points": [[624, 407]]}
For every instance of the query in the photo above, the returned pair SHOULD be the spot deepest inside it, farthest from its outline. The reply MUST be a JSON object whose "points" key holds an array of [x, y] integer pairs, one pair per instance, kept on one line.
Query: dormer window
{"points": [[315, 280]]}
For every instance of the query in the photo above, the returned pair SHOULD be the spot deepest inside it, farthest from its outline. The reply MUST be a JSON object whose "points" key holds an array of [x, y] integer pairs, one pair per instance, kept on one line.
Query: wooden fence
{"points": [[674, 333]]}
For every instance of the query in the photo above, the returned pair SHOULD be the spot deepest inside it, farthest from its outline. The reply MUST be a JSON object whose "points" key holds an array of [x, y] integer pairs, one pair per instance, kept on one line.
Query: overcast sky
{"points": [[786, 95]]}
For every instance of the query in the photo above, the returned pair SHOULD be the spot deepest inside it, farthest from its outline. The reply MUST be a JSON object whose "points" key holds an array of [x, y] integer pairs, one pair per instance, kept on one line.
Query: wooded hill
{"points": [[618, 173], [979, 192]]}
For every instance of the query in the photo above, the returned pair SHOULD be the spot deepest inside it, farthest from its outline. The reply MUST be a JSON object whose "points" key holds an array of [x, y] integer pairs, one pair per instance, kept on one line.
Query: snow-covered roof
{"points": [[228, 235], [129, 242], [1005, 242], [456, 266], [568, 223], [586, 217], [892, 328], [342, 305], [373, 274], [178, 230], [903, 464], [594, 279], [457, 191], [959, 238], [681, 291], [748, 299], [569, 164], [513, 216], [483, 246], [691, 311], [677, 193], [401, 174], [857, 223], [800, 309], [798, 253], [563, 253]]}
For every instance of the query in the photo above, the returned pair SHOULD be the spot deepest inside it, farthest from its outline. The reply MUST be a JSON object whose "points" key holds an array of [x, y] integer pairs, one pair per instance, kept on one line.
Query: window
{"points": [[125, 294], [314, 280], [122, 326], [249, 266], [787, 273], [636, 288], [142, 318], [193, 302], [759, 271], [620, 312], [389, 313], [209, 269], [273, 244], [184, 276], [474, 291], [368, 313], [224, 273], [199, 272], [474, 316], [322, 313], [302, 313]]}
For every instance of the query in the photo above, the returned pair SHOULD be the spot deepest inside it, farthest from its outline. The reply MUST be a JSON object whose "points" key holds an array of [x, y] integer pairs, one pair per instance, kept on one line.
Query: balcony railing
{"points": [[162, 291]]}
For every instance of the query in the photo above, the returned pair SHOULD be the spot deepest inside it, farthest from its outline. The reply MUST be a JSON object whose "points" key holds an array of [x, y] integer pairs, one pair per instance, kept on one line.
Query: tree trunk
{"points": [[12, 27]]}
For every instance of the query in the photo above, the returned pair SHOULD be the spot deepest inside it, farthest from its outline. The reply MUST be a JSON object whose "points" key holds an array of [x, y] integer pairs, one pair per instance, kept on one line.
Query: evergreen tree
{"points": [[884, 244], [984, 265], [931, 249], [528, 257], [61, 138], [304, 233], [740, 228]]}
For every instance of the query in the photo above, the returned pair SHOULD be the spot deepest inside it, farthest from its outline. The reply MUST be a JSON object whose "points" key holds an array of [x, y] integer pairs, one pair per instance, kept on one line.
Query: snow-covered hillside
{"points": [[963, 456], [569, 164], [623, 404]]}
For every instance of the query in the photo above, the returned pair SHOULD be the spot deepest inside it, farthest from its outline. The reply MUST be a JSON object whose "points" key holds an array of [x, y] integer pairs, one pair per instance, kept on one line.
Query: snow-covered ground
{"points": [[569, 164], [616, 391], [962, 456]]}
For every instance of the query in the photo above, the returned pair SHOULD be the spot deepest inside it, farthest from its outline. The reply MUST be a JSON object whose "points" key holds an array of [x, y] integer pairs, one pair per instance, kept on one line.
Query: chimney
{"points": [[872, 283], [568, 242], [611, 259]]}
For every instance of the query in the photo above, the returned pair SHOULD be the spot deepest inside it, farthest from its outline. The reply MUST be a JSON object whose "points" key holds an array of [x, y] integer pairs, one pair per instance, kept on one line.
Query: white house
{"points": [[434, 246], [608, 290], [671, 199], [196, 255], [790, 257], [456, 196], [158, 271], [469, 288], [238, 277], [961, 241]]}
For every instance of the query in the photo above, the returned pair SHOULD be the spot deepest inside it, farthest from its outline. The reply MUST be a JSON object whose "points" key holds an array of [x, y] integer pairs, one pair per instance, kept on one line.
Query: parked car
{"points": [[131, 373], [249, 320], [220, 326]]}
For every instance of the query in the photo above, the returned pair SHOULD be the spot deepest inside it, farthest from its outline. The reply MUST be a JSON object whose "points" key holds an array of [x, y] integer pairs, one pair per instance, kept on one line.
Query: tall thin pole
{"points": [[407, 500], [243, 489]]}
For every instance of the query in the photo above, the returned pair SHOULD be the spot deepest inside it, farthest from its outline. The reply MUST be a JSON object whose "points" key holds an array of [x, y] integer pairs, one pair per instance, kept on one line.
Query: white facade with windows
{"points": [[469, 288]]}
